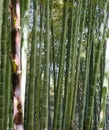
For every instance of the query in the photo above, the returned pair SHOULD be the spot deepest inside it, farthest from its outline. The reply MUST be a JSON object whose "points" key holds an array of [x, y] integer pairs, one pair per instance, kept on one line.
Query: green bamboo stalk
{"points": [[42, 23], [103, 105], [59, 118], [8, 80], [71, 89], [26, 97], [68, 68], [88, 54], [46, 69], [53, 58], [91, 69], [78, 62], [31, 89], [1, 15], [11, 117], [49, 107], [53, 51], [22, 9], [104, 90], [61, 65], [3, 63], [53, 55], [38, 71], [96, 68], [7, 96]]}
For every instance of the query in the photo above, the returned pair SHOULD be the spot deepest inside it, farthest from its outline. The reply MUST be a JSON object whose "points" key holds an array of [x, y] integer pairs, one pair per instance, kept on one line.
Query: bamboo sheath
{"points": [[15, 60]]}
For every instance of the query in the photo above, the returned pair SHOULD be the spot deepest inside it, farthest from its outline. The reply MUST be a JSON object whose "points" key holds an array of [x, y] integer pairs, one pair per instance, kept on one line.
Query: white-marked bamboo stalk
{"points": [[25, 28]]}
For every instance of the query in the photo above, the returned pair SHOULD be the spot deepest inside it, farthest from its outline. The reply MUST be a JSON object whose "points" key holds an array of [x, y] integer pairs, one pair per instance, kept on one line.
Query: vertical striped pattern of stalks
{"points": [[31, 89], [15, 60], [76, 36], [3, 63], [39, 79], [78, 60], [61, 66], [88, 54], [8, 80], [68, 68], [80, 85], [94, 79], [73, 63], [46, 69], [38, 87], [104, 88]]}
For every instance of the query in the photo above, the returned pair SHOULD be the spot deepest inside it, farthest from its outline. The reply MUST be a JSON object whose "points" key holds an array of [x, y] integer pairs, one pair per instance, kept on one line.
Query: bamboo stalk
{"points": [[96, 67], [68, 68], [31, 89], [3, 64], [16, 64], [61, 65]]}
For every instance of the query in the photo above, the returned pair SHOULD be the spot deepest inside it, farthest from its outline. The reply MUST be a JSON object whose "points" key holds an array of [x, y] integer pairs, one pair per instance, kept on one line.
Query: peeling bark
{"points": [[16, 63]]}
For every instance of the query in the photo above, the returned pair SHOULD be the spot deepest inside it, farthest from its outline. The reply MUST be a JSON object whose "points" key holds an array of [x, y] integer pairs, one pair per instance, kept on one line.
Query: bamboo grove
{"points": [[54, 65]]}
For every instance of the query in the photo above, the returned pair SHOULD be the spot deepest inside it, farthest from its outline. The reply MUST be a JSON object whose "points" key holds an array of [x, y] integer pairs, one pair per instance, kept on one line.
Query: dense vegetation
{"points": [[57, 58]]}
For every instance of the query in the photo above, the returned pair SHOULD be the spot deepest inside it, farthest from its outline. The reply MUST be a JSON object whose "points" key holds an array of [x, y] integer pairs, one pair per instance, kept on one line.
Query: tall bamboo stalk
{"points": [[68, 68], [46, 69], [1, 15], [88, 54], [3, 63], [96, 68], [8, 80], [61, 64], [16, 63], [31, 89], [78, 60], [42, 25], [104, 89], [38, 87]]}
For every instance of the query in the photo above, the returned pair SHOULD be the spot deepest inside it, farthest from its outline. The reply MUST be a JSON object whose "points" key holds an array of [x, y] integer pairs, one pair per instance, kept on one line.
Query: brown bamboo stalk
{"points": [[15, 60]]}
